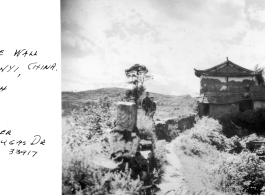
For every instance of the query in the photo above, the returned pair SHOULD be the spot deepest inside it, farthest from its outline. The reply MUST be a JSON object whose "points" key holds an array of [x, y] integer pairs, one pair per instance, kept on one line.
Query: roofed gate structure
{"points": [[226, 88]]}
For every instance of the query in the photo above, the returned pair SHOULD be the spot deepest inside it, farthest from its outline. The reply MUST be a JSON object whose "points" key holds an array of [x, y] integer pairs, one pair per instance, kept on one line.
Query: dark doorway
{"points": [[206, 109], [245, 105]]}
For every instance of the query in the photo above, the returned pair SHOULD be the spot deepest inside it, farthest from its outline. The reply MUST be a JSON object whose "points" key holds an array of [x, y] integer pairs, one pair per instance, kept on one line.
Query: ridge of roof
{"points": [[224, 63], [199, 72]]}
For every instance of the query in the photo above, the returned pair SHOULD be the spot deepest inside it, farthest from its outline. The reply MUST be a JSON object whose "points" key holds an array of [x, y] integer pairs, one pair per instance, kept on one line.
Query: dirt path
{"points": [[175, 180], [173, 177]]}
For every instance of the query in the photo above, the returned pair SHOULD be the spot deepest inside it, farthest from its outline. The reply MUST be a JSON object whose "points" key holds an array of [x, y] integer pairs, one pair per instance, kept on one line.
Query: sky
{"points": [[102, 38]]}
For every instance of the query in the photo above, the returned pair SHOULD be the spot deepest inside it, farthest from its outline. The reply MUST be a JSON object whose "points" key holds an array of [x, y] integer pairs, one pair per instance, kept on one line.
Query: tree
{"points": [[258, 68], [137, 74]]}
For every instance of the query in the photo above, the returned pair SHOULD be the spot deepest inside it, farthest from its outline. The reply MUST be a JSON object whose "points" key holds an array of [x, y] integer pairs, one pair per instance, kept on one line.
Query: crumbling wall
{"points": [[212, 85], [231, 85], [181, 123]]}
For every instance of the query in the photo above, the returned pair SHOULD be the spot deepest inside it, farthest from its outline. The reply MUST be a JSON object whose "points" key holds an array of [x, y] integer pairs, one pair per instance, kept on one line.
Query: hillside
{"points": [[91, 94], [167, 105]]}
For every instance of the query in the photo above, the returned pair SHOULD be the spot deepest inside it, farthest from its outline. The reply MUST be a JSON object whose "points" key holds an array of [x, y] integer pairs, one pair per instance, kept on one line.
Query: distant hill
{"points": [[168, 105], [94, 95]]}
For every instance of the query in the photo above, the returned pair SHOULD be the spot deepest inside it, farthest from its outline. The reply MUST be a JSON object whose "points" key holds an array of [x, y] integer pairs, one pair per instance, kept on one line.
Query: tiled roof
{"points": [[227, 68], [257, 93]]}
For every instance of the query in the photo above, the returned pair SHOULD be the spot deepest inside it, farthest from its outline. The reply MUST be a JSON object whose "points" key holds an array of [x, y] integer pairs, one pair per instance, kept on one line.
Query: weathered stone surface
{"points": [[123, 141], [119, 147], [126, 116]]}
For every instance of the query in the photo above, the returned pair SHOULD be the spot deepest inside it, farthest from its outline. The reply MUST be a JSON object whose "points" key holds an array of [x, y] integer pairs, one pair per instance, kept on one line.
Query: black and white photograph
{"points": [[163, 97]]}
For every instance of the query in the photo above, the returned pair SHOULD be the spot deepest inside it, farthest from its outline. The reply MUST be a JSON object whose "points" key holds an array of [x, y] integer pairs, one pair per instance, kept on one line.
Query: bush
{"points": [[242, 174], [208, 130], [193, 147], [173, 132], [146, 127], [84, 179], [87, 168], [164, 131], [252, 120]]}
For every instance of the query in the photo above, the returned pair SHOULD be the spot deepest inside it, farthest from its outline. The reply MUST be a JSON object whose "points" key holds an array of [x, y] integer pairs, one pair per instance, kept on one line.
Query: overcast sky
{"points": [[102, 38]]}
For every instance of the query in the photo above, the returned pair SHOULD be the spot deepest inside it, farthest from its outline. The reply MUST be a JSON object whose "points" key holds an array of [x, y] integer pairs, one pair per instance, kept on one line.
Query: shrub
{"points": [[228, 128], [87, 168], [208, 130], [84, 179], [194, 147], [241, 174], [252, 120], [165, 131], [146, 127], [173, 132]]}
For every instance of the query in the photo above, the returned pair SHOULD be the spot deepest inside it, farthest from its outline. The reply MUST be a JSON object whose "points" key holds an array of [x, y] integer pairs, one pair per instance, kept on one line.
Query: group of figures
{"points": [[148, 105]]}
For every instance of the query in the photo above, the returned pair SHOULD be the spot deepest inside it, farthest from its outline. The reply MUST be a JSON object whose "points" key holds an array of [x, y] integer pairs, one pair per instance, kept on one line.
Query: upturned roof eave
{"points": [[211, 67], [224, 63], [198, 73]]}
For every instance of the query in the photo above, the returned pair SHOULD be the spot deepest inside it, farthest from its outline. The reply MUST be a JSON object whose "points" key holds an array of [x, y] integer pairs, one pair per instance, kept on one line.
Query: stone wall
{"points": [[163, 128]]}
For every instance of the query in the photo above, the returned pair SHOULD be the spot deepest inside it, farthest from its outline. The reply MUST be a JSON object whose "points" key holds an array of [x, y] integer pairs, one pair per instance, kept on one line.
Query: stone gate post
{"points": [[123, 139]]}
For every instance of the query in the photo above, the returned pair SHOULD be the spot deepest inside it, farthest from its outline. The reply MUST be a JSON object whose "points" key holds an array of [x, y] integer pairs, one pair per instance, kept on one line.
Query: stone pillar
{"points": [[126, 116], [123, 139]]}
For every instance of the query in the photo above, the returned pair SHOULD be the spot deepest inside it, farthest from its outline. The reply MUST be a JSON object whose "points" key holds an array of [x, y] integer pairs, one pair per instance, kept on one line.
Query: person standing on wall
{"points": [[152, 108], [146, 104]]}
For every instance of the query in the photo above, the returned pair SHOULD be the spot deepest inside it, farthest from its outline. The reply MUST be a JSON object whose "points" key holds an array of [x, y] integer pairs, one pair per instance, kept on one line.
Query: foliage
{"points": [[145, 126], [173, 131], [146, 129], [258, 68], [252, 120], [87, 168], [194, 147], [241, 174], [208, 130], [166, 131], [68, 107], [135, 93], [253, 137], [137, 74], [84, 179]]}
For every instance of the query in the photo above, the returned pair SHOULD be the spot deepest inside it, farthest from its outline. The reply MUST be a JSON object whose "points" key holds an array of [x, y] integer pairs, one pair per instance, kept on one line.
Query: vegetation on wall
{"points": [[250, 121]]}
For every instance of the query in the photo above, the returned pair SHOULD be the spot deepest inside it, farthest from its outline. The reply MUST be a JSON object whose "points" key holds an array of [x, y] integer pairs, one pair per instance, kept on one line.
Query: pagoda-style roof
{"points": [[228, 68]]}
